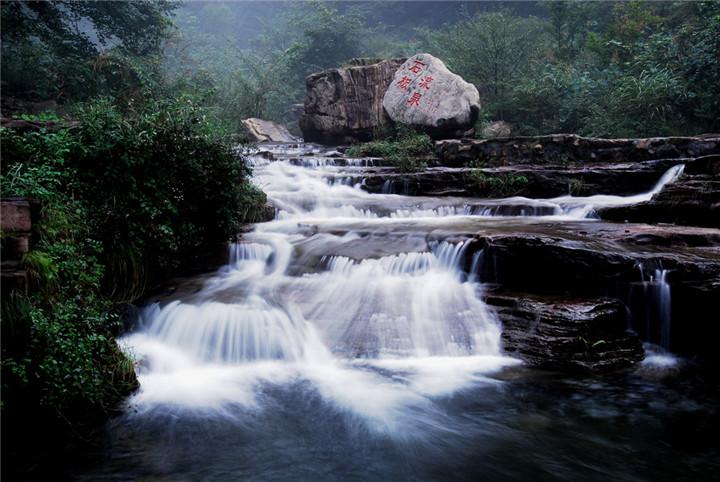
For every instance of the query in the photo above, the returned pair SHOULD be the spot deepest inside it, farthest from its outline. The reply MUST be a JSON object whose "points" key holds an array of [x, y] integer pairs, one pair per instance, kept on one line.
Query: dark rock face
{"points": [[344, 105], [601, 259], [568, 335], [692, 200], [564, 148]]}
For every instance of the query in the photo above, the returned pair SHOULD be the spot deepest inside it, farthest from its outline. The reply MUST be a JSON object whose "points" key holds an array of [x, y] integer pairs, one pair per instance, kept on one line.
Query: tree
{"points": [[49, 48], [493, 51]]}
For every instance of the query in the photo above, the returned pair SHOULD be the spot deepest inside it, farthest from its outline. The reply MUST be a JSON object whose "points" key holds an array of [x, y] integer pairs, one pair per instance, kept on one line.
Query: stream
{"points": [[345, 340]]}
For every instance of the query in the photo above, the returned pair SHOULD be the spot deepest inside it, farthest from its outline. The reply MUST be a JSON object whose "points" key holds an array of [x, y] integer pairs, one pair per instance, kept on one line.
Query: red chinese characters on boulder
{"points": [[425, 82], [404, 83], [417, 67], [415, 99]]}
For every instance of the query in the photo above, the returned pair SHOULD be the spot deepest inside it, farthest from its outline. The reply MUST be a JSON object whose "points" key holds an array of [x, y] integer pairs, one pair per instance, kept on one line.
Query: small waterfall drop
{"points": [[655, 314]]}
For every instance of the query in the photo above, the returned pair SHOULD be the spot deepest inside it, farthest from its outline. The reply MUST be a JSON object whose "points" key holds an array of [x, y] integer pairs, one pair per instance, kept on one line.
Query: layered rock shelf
{"points": [[566, 334], [517, 180], [694, 199], [565, 148], [574, 293]]}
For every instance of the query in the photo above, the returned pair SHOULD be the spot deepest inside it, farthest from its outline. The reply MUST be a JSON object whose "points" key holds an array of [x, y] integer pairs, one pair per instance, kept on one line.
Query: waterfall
{"points": [[345, 291], [655, 310], [661, 297]]}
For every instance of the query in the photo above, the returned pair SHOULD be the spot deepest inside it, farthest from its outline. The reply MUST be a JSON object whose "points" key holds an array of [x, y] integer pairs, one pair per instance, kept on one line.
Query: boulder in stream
{"points": [[425, 94], [259, 130]]}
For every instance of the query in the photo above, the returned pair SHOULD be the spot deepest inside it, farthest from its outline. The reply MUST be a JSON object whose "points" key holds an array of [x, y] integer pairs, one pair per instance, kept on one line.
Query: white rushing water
{"points": [[339, 292]]}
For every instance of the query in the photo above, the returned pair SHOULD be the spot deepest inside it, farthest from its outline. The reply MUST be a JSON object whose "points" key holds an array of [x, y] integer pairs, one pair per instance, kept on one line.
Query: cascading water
{"points": [[348, 340], [342, 285], [294, 303], [662, 294]]}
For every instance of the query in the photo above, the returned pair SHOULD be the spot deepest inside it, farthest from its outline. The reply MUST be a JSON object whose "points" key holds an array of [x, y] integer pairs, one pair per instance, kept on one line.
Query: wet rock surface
{"points": [[620, 262], [566, 334], [518, 180], [694, 199], [344, 105]]}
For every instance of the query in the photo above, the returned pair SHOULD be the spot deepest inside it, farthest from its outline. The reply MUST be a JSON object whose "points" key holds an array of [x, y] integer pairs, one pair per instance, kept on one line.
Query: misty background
{"points": [[596, 68]]}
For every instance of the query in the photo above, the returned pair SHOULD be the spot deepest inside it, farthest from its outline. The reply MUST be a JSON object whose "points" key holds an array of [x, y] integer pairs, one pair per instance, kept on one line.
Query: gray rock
{"points": [[260, 130], [344, 105], [425, 94], [497, 129]]}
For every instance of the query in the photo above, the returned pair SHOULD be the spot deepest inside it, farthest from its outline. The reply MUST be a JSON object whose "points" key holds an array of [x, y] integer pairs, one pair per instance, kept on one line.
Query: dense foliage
{"points": [[169, 165], [602, 69], [629, 68], [57, 344], [66, 50], [127, 197], [404, 148]]}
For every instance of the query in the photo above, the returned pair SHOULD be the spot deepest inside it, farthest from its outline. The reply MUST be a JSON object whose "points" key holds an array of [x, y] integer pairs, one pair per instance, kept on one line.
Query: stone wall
{"points": [[17, 217]]}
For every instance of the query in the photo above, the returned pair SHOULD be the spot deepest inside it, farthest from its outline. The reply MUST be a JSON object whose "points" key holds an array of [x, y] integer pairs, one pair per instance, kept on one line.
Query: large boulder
{"points": [[425, 94], [344, 105], [259, 130]]}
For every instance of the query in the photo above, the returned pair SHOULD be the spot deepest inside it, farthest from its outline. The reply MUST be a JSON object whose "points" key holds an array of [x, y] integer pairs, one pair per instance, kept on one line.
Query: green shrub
{"points": [[173, 169], [126, 198], [495, 185], [404, 149], [58, 354]]}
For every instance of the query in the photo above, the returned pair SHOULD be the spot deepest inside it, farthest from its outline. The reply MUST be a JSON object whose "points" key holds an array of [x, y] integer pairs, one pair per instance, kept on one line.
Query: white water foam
{"points": [[379, 337]]}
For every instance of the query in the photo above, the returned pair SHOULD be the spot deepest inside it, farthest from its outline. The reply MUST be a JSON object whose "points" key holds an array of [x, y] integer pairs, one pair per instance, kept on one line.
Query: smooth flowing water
{"points": [[343, 341]]}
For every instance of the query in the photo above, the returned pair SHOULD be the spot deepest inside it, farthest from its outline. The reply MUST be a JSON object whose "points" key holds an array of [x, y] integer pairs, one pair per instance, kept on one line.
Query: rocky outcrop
{"points": [[569, 148], [259, 130], [589, 260], [344, 105], [426, 95], [22, 126], [566, 334]]}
